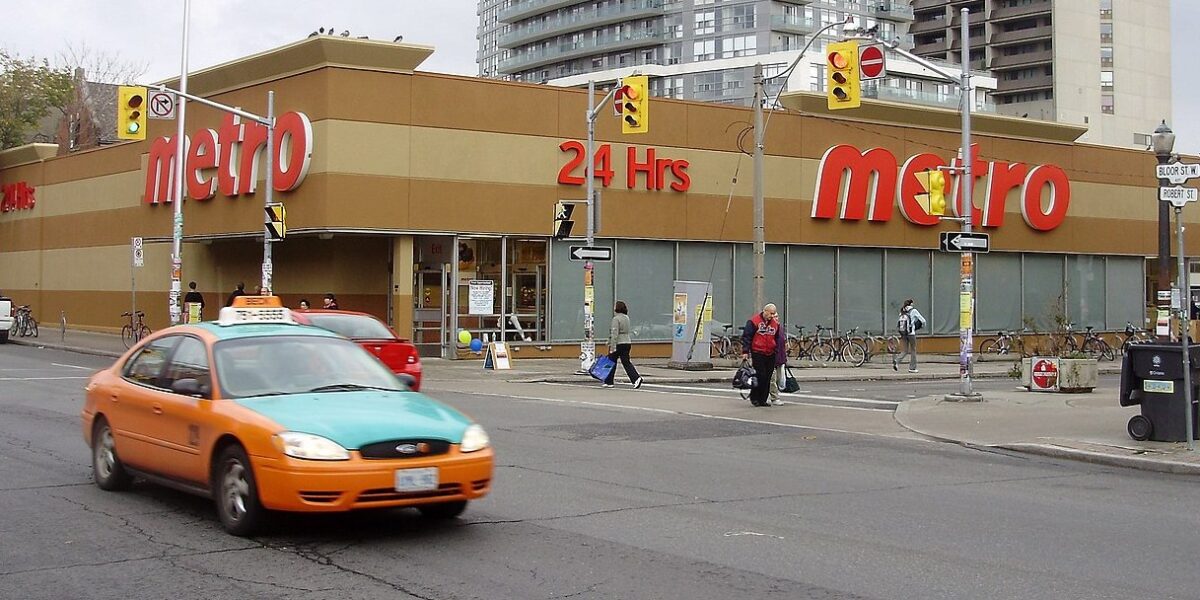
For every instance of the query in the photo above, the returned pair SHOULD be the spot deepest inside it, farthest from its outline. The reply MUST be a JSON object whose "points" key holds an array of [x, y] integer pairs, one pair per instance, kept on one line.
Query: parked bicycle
{"points": [[1004, 344], [1132, 335], [880, 344], [24, 324], [801, 346], [135, 330], [841, 347], [726, 345], [1095, 346]]}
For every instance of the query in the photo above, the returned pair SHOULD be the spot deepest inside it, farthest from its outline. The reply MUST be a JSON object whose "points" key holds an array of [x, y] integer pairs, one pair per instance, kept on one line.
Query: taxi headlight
{"points": [[309, 446], [474, 438]]}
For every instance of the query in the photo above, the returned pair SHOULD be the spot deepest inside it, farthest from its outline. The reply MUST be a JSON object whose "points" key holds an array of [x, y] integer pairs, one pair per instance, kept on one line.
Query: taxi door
{"points": [[185, 417], [130, 405]]}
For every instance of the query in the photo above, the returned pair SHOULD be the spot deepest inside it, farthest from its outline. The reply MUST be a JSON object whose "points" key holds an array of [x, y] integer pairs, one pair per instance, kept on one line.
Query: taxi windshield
{"points": [[293, 364]]}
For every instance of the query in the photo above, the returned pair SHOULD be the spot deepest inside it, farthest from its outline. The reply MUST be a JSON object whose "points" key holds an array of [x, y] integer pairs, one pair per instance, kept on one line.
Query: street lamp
{"points": [[1163, 142]]}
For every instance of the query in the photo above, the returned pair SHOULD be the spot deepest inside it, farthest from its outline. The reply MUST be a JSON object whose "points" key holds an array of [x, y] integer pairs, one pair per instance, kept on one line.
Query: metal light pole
{"points": [[1163, 141], [587, 348], [1183, 329], [267, 266], [173, 304], [760, 245]]}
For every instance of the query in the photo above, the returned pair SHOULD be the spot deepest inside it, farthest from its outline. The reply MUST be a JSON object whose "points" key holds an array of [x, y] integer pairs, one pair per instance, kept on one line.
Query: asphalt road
{"points": [[610, 494]]}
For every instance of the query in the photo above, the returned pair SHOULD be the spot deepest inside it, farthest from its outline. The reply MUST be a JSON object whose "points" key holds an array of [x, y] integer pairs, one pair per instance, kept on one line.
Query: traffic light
{"points": [[934, 198], [841, 76], [131, 112], [633, 97], [562, 220], [276, 222]]}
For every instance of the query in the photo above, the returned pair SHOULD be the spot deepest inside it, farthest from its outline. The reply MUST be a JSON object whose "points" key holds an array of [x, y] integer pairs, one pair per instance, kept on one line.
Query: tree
{"points": [[29, 90], [99, 66]]}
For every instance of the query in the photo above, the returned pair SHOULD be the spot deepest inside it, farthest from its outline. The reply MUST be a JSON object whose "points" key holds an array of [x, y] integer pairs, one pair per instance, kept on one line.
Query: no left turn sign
{"points": [[162, 105]]}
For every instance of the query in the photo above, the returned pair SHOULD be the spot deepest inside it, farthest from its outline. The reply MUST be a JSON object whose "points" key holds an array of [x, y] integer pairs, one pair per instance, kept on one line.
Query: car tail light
{"points": [[412, 359]]}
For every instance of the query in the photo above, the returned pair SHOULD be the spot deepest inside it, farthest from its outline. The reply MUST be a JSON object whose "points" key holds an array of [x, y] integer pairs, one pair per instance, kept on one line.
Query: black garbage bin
{"points": [[1152, 377]]}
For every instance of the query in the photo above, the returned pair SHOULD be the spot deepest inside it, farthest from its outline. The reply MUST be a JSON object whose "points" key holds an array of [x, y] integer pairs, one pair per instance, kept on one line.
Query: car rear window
{"points": [[355, 327]]}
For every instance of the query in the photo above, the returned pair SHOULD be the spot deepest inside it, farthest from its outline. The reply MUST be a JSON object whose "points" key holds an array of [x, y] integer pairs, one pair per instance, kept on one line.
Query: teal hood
{"points": [[354, 419]]}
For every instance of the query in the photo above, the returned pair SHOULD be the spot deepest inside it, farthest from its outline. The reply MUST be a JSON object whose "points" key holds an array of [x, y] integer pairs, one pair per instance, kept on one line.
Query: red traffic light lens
{"points": [[838, 60], [630, 92], [134, 101]]}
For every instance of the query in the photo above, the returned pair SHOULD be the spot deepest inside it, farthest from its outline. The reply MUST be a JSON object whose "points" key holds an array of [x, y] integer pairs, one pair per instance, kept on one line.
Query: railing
{"points": [[892, 11], [883, 92], [1017, 60], [595, 17], [1016, 12], [519, 9], [605, 43], [793, 23]]}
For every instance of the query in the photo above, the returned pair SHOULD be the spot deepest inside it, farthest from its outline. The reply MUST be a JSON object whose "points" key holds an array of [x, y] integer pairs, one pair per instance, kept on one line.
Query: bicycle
{"points": [[879, 344], [841, 347], [801, 346], [24, 324], [134, 331], [1095, 346], [1003, 344], [1133, 335], [725, 346]]}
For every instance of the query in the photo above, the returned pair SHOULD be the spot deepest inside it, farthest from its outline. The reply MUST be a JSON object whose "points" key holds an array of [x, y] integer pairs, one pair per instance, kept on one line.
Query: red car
{"points": [[399, 354]]}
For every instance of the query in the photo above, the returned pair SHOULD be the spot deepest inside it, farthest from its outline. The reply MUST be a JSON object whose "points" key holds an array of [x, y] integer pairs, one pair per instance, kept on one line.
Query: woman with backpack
{"points": [[907, 325]]}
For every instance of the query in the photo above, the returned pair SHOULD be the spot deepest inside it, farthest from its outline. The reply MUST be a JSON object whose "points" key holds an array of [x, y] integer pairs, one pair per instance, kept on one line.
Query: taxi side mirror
{"points": [[407, 379], [190, 387]]}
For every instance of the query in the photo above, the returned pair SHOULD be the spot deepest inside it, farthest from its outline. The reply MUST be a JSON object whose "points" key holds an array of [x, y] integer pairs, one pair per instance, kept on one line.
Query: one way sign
{"points": [[961, 241], [596, 253]]}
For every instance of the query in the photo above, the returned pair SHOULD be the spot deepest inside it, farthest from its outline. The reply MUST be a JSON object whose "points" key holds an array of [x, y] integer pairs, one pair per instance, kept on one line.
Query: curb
{"points": [[76, 349], [1100, 458]]}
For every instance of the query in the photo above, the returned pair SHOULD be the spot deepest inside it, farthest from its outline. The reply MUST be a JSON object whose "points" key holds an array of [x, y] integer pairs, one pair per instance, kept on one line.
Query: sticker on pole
{"points": [[1044, 374]]}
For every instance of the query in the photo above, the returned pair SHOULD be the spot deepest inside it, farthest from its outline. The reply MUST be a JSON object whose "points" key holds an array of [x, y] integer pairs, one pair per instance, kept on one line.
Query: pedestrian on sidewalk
{"points": [[194, 297], [239, 291], [778, 382], [304, 304], [762, 337], [330, 302], [619, 343], [909, 322]]}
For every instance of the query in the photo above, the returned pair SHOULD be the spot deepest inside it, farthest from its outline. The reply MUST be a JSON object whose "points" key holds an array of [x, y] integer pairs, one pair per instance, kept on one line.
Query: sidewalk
{"points": [[1087, 427]]}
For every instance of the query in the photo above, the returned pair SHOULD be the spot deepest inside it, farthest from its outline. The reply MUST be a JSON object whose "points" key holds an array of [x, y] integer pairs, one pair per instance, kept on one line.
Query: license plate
{"points": [[416, 480], [1158, 387]]}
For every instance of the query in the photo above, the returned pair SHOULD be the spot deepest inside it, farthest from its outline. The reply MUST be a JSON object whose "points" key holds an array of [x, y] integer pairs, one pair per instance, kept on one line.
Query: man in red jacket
{"points": [[761, 337]]}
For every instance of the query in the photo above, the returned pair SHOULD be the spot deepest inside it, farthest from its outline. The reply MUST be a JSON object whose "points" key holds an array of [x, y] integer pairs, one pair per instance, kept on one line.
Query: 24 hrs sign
{"points": [[657, 173]]}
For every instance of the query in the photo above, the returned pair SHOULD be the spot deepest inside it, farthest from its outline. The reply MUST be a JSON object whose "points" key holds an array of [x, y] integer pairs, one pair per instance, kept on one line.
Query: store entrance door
{"points": [[432, 288]]}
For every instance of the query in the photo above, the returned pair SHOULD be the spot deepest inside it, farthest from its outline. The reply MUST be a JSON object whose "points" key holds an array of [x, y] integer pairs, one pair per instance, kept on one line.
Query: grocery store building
{"points": [[402, 187]]}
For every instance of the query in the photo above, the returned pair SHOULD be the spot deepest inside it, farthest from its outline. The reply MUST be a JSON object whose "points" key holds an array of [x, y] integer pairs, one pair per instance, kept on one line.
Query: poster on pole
{"points": [[482, 294]]}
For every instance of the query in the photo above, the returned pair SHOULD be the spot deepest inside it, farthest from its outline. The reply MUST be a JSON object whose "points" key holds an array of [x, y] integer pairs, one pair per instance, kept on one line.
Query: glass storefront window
{"points": [[810, 287], [1042, 289], [645, 272], [860, 289], [998, 296], [908, 276]]}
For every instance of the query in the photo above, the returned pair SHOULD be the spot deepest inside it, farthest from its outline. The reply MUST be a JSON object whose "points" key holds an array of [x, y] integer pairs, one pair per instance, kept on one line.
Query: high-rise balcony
{"points": [[937, 46], [608, 42], [533, 31], [800, 2], [793, 24], [522, 9], [983, 103], [1020, 36], [892, 10], [1040, 82], [1016, 61], [926, 26], [1010, 13]]}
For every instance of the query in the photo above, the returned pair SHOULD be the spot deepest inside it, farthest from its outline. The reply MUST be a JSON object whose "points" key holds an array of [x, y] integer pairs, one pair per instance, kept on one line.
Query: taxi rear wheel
{"points": [[443, 510], [107, 468], [236, 493]]}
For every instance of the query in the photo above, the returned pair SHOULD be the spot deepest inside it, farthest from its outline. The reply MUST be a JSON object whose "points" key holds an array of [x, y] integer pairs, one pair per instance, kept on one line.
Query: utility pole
{"points": [[587, 348], [174, 307], [760, 246]]}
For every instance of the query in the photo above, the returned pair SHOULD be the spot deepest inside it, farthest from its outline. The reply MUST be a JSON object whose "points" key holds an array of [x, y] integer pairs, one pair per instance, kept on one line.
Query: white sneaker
{"points": [[912, 370], [637, 384], [776, 402], [607, 385]]}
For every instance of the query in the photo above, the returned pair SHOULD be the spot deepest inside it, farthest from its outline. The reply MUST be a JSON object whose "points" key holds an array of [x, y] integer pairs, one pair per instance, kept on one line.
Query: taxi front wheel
{"points": [[443, 510], [237, 493], [107, 469]]}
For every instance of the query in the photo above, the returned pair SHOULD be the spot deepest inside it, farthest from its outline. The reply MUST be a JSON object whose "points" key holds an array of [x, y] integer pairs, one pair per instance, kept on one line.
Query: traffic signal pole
{"points": [[174, 304], [269, 122], [587, 348], [966, 289]]}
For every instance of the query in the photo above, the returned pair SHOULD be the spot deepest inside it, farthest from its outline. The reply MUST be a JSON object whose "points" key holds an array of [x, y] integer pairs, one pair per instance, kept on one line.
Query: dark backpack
{"points": [[904, 324], [918, 324], [745, 378]]}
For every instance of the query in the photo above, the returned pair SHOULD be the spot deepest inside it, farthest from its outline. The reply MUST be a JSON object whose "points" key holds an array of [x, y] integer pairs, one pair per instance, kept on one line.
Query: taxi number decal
{"points": [[416, 480]]}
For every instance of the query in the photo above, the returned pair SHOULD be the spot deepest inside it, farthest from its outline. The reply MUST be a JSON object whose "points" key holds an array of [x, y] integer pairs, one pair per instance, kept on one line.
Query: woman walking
{"points": [[619, 344]]}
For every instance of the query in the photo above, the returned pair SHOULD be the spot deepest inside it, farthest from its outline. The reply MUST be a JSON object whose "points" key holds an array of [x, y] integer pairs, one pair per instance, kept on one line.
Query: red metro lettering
{"points": [[853, 185], [657, 173], [17, 196], [228, 160]]}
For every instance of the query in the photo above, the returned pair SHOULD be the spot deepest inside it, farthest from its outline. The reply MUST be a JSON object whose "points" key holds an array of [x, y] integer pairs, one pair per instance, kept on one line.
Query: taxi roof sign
{"points": [[257, 301]]}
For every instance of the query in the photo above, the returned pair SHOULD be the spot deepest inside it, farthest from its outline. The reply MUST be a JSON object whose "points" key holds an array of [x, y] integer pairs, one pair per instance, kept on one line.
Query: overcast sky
{"points": [[223, 30]]}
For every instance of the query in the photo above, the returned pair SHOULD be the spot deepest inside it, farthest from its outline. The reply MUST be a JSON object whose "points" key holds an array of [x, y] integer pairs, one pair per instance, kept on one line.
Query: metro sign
{"points": [[853, 185], [227, 160]]}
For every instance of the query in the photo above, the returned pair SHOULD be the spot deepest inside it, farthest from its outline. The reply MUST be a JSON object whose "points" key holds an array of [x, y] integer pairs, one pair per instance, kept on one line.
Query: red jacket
{"points": [[761, 336]]}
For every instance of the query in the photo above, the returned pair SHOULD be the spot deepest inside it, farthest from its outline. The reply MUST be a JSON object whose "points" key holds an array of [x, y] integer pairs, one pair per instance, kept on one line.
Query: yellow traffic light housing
{"points": [[131, 112], [633, 98], [933, 200], [841, 76]]}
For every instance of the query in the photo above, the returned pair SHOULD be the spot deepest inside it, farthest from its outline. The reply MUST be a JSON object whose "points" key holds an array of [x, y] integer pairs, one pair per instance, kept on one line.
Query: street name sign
{"points": [[961, 241], [1177, 196], [1177, 173], [596, 253]]}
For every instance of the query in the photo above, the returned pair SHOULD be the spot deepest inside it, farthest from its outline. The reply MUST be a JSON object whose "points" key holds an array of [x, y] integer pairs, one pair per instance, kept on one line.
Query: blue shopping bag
{"points": [[602, 368]]}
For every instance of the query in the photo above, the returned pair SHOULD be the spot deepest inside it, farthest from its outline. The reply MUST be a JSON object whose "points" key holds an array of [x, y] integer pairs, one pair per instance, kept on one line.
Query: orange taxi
{"points": [[261, 413]]}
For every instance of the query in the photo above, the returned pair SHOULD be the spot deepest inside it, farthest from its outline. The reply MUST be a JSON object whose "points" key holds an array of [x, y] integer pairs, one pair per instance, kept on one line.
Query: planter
{"points": [[1075, 375]]}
